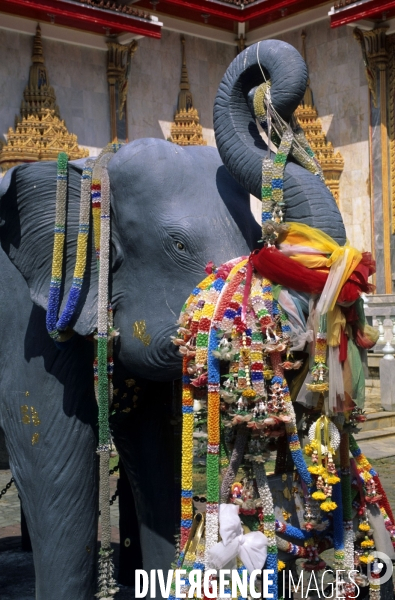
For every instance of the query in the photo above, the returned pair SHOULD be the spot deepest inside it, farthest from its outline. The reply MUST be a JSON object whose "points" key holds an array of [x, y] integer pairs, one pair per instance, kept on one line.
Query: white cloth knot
{"points": [[251, 548]]}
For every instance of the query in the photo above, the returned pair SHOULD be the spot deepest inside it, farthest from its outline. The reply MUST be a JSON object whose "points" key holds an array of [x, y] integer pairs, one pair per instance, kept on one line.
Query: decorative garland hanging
{"points": [[95, 186], [104, 361], [237, 316], [57, 327]]}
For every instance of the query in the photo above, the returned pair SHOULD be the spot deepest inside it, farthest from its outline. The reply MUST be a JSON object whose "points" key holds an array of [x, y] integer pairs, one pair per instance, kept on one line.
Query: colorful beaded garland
{"points": [[103, 365], [57, 327], [234, 317]]}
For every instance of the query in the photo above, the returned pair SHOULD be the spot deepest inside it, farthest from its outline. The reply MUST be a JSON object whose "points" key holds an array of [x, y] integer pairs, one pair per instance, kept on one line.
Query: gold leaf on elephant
{"points": [[35, 438], [25, 416], [35, 417], [129, 382], [140, 332], [286, 515], [287, 493]]}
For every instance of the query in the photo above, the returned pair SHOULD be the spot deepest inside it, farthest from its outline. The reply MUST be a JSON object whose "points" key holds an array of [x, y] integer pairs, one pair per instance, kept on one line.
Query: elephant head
{"points": [[173, 210], [240, 145]]}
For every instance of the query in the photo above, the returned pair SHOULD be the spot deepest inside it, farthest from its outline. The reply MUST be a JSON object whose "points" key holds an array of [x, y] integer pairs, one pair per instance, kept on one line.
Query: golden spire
{"points": [[38, 93], [186, 131], [185, 101], [332, 164], [39, 133], [308, 95]]}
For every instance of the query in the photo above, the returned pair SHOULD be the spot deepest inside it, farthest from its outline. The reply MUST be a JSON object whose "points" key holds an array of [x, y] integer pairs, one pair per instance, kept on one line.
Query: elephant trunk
{"points": [[240, 145]]}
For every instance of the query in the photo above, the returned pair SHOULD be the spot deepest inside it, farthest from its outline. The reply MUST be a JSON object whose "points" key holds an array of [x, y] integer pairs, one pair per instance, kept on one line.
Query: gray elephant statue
{"points": [[173, 210]]}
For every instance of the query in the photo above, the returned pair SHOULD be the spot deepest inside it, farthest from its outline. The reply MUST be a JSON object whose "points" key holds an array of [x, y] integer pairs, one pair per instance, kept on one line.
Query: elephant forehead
{"points": [[156, 171]]}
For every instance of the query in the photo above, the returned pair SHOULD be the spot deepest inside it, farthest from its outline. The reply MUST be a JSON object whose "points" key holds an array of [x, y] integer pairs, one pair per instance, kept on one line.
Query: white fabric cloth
{"points": [[336, 383], [299, 335], [251, 548], [332, 284]]}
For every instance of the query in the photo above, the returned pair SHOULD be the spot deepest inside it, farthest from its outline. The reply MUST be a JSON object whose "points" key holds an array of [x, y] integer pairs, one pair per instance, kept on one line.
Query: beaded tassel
{"points": [[268, 524], [106, 581], [194, 303], [213, 433], [319, 371], [82, 246], [104, 367], [187, 457], [58, 247], [278, 176], [267, 192]]}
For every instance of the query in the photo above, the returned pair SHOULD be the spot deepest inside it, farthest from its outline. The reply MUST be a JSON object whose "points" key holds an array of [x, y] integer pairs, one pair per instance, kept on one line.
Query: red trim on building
{"points": [[370, 9], [81, 16], [221, 15]]}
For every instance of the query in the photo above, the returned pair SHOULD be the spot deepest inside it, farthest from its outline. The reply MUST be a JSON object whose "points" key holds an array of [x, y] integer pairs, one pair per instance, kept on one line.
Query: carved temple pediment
{"points": [[39, 133]]}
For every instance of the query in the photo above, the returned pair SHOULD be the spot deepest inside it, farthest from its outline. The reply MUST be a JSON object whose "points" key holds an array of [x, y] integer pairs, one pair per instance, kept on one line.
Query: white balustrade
{"points": [[380, 311]]}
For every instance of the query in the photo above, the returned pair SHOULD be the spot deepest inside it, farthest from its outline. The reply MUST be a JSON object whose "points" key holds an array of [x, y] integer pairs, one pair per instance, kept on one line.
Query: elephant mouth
{"points": [[163, 353]]}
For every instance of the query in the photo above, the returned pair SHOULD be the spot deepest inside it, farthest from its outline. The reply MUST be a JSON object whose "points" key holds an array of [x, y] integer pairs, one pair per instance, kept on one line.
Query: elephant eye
{"points": [[180, 245]]}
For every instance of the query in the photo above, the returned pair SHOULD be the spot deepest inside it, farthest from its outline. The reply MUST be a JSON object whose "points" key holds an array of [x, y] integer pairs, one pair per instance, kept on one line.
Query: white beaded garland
{"points": [[334, 436]]}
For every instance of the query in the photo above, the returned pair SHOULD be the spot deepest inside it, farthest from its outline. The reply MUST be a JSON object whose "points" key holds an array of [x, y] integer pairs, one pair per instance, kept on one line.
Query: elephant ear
{"points": [[27, 218], [307, 199]]}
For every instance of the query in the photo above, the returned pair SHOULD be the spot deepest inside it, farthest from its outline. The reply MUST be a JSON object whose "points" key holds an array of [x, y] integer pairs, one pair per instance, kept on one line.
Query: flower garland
{"points": [[57, 327], [107, 584], [269, 523], [213, 429], [187, 458], [366, 472], [82, 244], [319, 371], [58, 246], [338, 532], [239, 321], [235, 318], [276, 128], [104, 364], [326, 474], [272, 190]]}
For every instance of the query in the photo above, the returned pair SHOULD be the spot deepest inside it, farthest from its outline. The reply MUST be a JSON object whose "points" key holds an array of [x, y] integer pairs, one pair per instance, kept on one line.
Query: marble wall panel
{"points": [[341, 97], [78, 76], [155, 75]]}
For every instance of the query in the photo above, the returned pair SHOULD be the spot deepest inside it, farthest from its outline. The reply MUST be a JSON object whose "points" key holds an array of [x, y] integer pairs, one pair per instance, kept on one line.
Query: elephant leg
{"points": [[130, 557], [57, 482], [146, 445]]}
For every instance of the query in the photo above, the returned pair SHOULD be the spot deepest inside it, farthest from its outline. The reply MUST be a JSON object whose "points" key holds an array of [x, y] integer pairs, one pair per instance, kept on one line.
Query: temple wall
{"points": [[341, 97], [78, 76], [155, 79]]}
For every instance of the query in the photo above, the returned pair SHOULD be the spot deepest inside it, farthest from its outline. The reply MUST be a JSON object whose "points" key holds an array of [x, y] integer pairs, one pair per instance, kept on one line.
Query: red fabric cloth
{"points": [[278, 268], [358, 280], [363, 341], [343, 346]]}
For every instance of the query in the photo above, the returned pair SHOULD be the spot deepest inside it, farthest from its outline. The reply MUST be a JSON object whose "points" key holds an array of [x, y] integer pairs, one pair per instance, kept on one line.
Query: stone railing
{"points": [[380, 312]]}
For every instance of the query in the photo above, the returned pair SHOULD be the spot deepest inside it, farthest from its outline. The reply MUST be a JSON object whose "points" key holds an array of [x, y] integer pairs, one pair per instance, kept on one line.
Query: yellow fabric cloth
{"points": [[335, 322], [299, 234]]}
